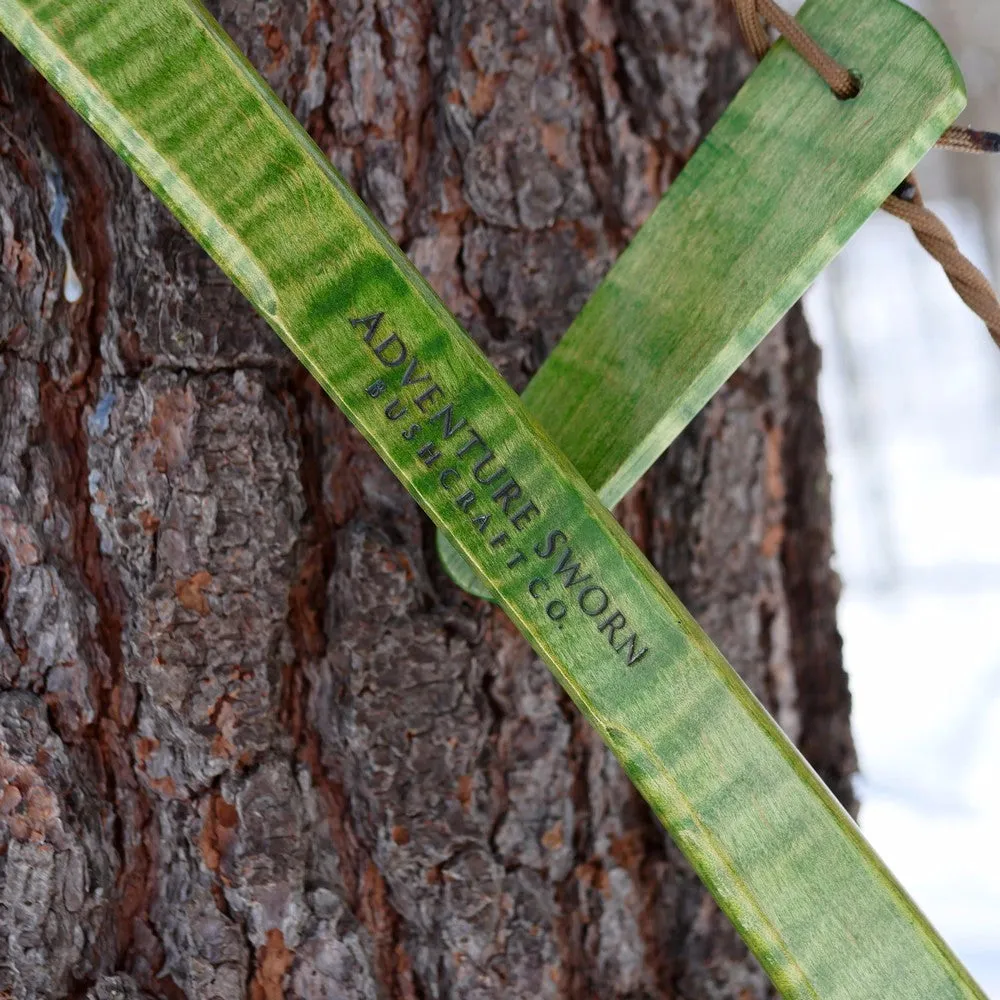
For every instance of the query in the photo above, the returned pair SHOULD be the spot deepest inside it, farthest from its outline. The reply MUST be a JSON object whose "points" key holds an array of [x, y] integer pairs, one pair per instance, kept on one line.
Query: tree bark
{"points": [[253, 743]]}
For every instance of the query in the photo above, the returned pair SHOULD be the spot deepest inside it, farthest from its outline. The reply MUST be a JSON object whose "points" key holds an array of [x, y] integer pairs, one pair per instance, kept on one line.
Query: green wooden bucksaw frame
{"points": [[786, 177]]}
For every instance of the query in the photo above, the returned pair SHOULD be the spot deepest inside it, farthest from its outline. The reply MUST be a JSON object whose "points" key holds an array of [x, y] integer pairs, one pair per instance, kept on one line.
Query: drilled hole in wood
{"points": [[858, 82]]}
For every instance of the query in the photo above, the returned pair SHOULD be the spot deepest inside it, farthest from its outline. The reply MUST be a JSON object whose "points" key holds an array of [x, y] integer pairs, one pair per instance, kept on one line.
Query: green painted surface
{"points": [[784, 179], [161, 82]]}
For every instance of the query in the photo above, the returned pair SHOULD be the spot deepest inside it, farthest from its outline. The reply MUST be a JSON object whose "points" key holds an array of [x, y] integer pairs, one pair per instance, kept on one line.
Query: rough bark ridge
{"points": [[252, 743]]}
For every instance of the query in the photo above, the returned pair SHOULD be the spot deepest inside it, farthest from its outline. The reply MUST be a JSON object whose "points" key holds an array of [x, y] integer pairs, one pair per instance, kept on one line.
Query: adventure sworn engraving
{"points": [[469, 471]]}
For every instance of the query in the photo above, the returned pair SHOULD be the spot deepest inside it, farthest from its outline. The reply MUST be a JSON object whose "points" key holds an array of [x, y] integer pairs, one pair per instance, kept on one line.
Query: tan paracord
{"points": [[906, 202]]}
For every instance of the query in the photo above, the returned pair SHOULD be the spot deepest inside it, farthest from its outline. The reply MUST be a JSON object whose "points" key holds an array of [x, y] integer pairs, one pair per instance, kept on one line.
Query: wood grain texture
{"points": [[775, 191], [178, 103]]}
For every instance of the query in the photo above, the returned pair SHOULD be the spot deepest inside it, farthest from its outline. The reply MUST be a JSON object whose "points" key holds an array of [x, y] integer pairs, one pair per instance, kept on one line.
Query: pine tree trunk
{"points": [[253, 742]]}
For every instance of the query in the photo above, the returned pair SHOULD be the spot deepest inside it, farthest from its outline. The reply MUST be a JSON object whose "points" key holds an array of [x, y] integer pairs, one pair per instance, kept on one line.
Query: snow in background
{"points": [[911, 395]]}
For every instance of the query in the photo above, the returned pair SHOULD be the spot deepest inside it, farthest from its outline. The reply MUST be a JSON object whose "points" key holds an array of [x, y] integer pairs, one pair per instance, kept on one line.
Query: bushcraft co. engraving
{"points": [[488, 493]]}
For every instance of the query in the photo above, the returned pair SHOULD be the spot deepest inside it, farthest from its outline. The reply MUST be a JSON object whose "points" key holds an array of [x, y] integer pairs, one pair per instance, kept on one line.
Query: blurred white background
{"points": [[911, 394]]}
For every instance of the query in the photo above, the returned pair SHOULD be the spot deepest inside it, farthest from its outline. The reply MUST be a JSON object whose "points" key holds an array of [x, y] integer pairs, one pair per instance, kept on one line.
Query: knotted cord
{"points": [[906, 202]]}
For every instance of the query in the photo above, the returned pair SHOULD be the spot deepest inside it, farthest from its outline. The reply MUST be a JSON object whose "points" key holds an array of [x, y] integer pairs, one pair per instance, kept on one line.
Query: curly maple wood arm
{"points": [[775, 191]]}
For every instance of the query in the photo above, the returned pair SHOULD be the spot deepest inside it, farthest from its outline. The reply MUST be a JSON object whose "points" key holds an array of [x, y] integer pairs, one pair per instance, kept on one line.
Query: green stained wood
{"points": [[783, 181], [165, 87]]}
